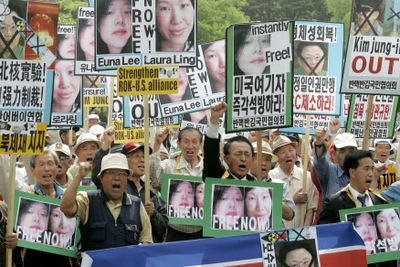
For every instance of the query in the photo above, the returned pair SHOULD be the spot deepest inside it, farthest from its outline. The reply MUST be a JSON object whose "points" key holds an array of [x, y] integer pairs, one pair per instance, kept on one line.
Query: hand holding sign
{"points": [[300, 197], [217, 111]]}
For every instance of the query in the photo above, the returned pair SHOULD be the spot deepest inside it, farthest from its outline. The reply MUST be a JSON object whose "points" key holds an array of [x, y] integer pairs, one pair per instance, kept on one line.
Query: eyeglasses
{"points": [[116, 174], [62, 157]]}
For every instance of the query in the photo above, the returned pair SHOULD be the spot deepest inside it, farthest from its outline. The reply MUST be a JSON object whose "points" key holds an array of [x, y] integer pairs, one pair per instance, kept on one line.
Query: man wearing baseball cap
{"points": [[63, 177], [109, 217], [85, 149], [288, 172], [332, 176], [134, 152], [266, 157]]}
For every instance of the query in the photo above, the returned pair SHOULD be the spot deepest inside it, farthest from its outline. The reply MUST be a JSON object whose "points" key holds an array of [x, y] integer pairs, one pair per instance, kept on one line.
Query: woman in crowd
{"points": [[175, 25], [114, 27], [66, 97]]}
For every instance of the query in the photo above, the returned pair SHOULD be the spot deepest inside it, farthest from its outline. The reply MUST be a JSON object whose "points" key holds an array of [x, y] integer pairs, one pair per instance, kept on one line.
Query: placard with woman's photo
{"points": [[379, 227], [184, 196], [234, 207], [41, 225]]}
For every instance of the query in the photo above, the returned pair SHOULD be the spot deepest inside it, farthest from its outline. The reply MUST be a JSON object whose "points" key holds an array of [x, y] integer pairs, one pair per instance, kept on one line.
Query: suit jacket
{"points": [[213, 166], [343, 200]]}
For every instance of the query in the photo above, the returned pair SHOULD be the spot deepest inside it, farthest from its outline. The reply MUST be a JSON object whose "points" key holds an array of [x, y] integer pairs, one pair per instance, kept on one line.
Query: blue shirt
{"points": [[331, 176], [392, 192]]}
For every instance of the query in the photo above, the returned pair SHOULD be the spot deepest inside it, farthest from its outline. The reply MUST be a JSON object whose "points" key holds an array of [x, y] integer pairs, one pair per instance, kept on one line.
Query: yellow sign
{"points": [[388, 178], [149, 80], [24, 144], [123, 135], [95, 101]]}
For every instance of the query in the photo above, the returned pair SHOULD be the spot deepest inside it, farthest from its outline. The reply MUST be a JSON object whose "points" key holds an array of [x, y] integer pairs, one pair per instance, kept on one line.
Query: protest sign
{"points": [[199, 86], [66, 35], [318, 53], [184, 196], [144, 38], [95, 93], [383, 116], [66, 107], [338, 245], [134, 112], [152, 80], [372, 64], [372, 224], [38, 27], [84, 47], [223, 219], [259, 85], [41, 225], [389, 177]]}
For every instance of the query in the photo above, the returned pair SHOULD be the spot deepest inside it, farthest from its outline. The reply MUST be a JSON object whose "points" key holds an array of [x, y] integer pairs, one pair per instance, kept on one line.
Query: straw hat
{"points": [[114, 161], [280, 141]]}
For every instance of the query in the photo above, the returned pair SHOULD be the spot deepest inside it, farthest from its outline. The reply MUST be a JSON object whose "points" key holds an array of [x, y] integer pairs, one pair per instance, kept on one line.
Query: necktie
{"points": [[362, 200]]}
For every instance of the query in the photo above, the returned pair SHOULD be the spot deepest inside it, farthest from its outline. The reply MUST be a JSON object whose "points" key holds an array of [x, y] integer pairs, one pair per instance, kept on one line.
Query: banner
{"points": [[259, 76], [337, 244], [379, 228], [41, 225]]}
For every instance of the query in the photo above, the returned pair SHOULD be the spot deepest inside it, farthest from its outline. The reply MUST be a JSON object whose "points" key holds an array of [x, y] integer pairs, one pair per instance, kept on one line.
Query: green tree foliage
{"points": [[274, 10], [341, 12], [214, 16], [68, 11]]}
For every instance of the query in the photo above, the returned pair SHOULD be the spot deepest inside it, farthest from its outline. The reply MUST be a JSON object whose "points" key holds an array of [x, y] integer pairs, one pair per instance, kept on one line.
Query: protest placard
{"points": [[318, 53], [144, 38], [84, 47], [184, 196], [151, 80], [372, 65], [41, 225], [199, 86], [372, 224], [259, 85], [95, 93], [382, 120], [229, 207]]}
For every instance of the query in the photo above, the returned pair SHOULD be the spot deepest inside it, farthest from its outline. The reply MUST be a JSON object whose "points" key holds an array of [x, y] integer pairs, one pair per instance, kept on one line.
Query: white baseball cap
{"points": [[114, 161], [60, 147], [345, 140]]}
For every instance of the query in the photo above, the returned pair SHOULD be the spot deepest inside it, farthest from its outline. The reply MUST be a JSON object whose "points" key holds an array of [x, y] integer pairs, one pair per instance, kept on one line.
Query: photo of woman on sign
{"points": [[62, 226], [66, 46], [228, 206], [258, 205], [214, 56], [85, 48], [181, 194], [66, 88], [33, 217], [250, 52], [114, 27], [364, 224], [388, 224], [175, 25]]}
